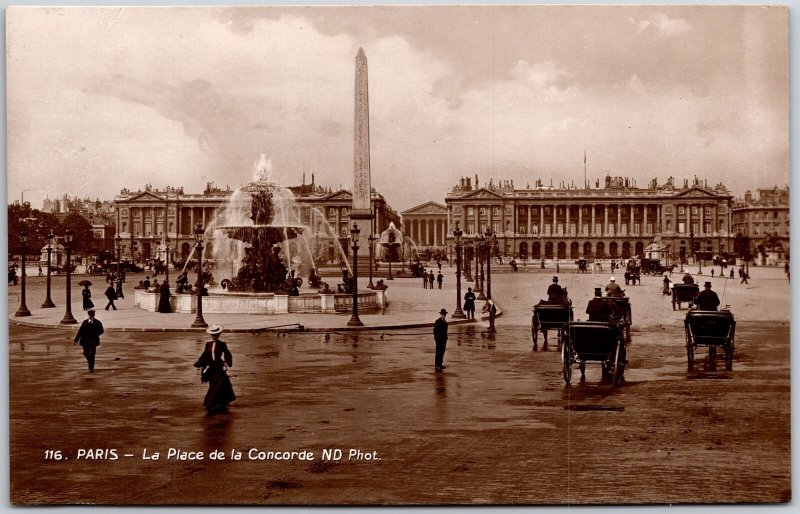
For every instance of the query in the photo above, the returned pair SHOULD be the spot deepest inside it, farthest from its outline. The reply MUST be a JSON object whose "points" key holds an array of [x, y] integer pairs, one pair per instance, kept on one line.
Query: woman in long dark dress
{"points": [[212, 363], [87, 298], [163, 301]]}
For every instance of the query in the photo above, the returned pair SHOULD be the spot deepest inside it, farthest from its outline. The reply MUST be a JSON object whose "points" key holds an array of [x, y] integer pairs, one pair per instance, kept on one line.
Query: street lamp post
{"points": [[166, 265], [466, 249], [354, 321], [48, 302], [23, 308], [199, 322], [372, 261], [480, 247], [457, 233], [403, 261], [68, 319], [133, 259], [489, 250], [118, 241]]}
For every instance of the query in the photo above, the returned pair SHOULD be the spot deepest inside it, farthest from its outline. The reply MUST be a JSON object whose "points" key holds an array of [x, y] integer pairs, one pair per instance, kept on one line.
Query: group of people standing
{"points": [[428, 279]]}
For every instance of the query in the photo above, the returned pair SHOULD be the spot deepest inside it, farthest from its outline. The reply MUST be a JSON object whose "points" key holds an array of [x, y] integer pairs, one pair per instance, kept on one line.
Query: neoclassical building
{"points": [[610, 220], [763, 219], [426, 225], [146, 216]]}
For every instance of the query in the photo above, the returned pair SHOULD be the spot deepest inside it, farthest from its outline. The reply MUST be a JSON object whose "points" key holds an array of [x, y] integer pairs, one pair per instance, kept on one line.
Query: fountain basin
{"points": [[265, 303]]}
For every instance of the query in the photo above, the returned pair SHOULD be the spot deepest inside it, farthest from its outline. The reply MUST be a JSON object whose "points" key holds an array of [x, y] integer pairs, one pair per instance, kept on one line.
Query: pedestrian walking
{"points": [[111, 294], [712, 272], [469, 303], [731, 272], [440, 338], [431, 278], [87, 298], [440, 279], [424, 279], [120, 294], [88, 337], [744, 276], [213, 363], [41, 274], [439, 264]]}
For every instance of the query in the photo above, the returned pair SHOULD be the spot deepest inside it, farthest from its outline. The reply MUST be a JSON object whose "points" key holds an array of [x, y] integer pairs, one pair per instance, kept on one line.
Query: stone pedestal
{"points": [[281, 304]]}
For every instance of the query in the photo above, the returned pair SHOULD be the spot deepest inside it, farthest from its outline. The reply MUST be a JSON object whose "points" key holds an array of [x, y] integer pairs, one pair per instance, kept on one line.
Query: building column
{"points": [[605, 219], [529, 210], [580, 223], [630, 229], [659, 222], [555, 221], [191, 218], [701, 228], [566, 223], [619, 221], [644, 219], [541, 222], [593, 228]]}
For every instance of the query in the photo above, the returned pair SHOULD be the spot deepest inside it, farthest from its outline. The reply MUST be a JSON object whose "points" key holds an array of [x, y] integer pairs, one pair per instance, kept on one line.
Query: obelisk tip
{"points": [[360, 54]]}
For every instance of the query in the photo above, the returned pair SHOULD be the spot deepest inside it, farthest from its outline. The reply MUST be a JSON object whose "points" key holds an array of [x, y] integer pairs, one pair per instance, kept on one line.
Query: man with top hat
{"points": [[598, 308], [613, 289], [88, 337], [556, 293], [440, 337], [707, 300]]}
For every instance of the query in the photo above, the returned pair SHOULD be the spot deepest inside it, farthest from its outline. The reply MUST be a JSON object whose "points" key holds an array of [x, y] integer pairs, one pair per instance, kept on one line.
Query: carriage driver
{"points": [[598, 308], [613, 289], [556, 293], [707, 300]]}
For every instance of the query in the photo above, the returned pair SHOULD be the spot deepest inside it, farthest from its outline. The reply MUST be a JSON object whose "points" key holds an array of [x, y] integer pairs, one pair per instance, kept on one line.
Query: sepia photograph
{"points": [[398, 255]]}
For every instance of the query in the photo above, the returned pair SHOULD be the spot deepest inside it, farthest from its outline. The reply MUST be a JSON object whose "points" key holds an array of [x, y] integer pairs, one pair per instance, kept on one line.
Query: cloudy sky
{"points": [[105, 98]]}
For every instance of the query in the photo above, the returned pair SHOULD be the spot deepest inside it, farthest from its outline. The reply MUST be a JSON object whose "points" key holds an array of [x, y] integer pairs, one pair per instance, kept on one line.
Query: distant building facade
{"points": [[615, 219], [146, 216], [762, 221], [426, 225]]}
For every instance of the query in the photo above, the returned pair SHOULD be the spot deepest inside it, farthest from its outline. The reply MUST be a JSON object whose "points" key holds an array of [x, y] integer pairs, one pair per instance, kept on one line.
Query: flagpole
{"points": [[585, 182]]}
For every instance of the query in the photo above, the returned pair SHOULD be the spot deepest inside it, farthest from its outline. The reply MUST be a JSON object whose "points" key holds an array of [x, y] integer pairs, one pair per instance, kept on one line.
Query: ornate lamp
{"points": [[457, 233], [199, 322], [23, 308], [48, 302], [68, 319], [354, 231]]}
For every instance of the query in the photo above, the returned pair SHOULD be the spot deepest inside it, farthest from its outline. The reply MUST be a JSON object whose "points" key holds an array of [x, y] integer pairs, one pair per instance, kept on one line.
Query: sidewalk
{"points": [[410, 306]]}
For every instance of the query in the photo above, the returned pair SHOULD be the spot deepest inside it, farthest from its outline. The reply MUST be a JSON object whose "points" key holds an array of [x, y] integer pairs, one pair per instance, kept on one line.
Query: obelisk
{"points": [[361, 211]]}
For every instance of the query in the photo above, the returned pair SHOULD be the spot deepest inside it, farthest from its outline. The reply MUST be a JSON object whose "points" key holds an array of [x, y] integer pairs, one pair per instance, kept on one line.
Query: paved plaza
{"points": [[498, 426]]}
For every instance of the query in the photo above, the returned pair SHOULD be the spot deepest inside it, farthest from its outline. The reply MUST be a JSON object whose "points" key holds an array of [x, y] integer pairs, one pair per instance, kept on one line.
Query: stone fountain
{"points": [[390, 241]]}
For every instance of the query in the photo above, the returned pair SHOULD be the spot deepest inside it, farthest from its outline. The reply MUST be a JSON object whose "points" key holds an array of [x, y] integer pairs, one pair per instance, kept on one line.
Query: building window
{"points": [[457, 210], [707, 227], [681, 210], [694, 210], [708, 211], [124, 212], [681, 227], [470, 211], [124, 226], [470, 227], [496, 211], [482, 211], [522, 229]]}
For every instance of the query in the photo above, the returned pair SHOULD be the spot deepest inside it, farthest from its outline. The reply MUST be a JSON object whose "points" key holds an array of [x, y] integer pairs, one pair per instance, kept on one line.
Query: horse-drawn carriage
{"points": [[654, 267], [583, 265], [621, 309], [711, 329], [550, 316], [682, 293], [594, 341]]}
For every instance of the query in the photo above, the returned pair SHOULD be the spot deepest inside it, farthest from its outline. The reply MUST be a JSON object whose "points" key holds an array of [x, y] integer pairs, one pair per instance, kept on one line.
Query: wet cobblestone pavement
{"points": [[497, 426]]}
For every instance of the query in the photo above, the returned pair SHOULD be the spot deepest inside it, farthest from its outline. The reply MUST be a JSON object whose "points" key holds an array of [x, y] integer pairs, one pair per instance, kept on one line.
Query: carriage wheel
{"points": [[560, 338], [534, 329], [566, 363], [619, 364]]}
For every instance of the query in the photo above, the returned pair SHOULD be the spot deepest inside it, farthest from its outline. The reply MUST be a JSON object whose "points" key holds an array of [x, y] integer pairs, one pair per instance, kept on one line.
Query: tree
{"points": [[82, 235]]}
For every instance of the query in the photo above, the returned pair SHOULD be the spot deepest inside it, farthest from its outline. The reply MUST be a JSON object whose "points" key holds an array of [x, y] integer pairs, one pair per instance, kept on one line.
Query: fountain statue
{"points": [[262, 268], [390, 241]]}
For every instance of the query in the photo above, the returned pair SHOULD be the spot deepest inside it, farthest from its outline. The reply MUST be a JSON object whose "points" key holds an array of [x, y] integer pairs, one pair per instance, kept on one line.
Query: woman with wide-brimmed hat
{"points": [[213, 362]]}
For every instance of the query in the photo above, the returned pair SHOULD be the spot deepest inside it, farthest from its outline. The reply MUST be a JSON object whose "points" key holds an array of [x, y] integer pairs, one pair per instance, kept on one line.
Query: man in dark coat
{"points": [[89, 337], [111, 294], [598, 308], [440, 279], [146, 282], [555, 293], [469, 303], [687, 279], [424, 280], [431, 278], [440, 337], [707, 300]]}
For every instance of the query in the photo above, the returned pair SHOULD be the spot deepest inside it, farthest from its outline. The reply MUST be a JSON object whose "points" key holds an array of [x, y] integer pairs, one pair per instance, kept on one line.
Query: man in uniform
{"points": [[707, 300], [555, 293], [440, 337], [613, 289], [598, 308]]}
